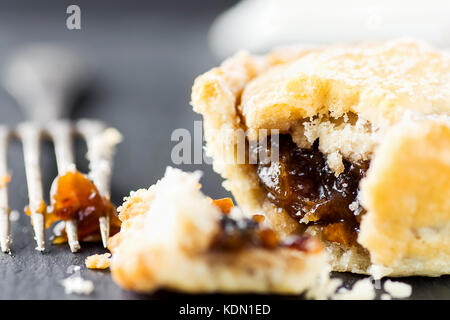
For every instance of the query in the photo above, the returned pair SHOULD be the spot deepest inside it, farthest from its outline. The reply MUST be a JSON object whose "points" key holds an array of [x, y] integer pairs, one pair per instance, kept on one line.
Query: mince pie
{"points": [[362, 137]]}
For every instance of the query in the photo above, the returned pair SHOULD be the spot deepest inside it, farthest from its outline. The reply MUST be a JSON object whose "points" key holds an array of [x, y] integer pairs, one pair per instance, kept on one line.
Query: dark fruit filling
{"points": [[246, 233], [235, 234], [302, 183]]}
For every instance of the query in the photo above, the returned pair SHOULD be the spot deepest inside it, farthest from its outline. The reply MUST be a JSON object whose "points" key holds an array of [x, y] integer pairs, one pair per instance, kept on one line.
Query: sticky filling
{"points": [[301, 183], [77, 198], [245, 233]]}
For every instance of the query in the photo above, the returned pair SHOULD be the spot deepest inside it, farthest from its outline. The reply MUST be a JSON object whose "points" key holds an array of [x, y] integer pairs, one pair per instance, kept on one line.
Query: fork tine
{"points": [[101, 144], [61, 133], [30, 134], [38, 222], [104, 229], [72, 235], [89, 130], [5, 239]]}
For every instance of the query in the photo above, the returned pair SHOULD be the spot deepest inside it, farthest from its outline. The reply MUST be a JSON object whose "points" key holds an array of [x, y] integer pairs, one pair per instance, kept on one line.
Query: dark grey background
{"points": [[145, 56]]}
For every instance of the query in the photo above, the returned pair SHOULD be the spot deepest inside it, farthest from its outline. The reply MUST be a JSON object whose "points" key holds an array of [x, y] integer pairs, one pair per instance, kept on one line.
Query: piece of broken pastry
{"points": [[174, 237], [361, 135]]}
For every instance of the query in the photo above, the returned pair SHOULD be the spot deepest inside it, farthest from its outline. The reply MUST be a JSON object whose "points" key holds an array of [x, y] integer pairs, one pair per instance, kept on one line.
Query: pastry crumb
{"points": [[361, 290], [396, 289], [353, 206], [324, 289], [385, 296], [73, 268], [98, 261], [5, 180], [14, 215], [77, 285]]}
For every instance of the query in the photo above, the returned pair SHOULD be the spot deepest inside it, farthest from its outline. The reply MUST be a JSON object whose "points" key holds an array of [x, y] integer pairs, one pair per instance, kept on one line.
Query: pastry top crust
{"points": [[377, 81]]}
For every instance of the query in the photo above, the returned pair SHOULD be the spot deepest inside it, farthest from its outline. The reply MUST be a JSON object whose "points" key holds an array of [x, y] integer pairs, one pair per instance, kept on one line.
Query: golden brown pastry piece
{"points": [[174, 237], [363, 135]]}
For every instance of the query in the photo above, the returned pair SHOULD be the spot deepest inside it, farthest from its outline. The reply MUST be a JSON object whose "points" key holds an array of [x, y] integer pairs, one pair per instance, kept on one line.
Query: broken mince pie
{"points": [[174, 237], [362, 137]]}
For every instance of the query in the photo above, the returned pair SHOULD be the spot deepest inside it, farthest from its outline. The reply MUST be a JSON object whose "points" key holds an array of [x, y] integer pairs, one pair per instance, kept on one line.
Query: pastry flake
{"points": [[364, 148], [176, 238], [98, 261]]}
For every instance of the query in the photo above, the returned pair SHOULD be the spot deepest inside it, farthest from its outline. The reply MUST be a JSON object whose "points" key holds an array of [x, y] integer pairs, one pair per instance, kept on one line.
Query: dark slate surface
{"points": [[145, 55]]}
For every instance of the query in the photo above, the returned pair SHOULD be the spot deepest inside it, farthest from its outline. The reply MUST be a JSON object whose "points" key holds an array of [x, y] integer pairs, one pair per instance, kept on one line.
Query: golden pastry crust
{"points": [[168, 246], [311, 94], [98, 261], [376, 81], [407, 197]]}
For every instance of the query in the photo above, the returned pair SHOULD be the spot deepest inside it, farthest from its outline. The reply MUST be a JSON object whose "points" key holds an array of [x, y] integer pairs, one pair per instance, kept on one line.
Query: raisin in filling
{"points": [[302, 183], [247, 233], [236, 234]]}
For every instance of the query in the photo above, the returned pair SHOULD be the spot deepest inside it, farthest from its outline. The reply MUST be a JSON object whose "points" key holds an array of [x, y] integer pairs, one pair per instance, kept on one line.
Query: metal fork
{"points": [[43, 80]]}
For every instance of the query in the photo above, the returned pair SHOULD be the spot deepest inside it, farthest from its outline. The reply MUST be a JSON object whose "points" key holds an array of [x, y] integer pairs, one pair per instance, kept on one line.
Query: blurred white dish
{"points": [[257, 25]]}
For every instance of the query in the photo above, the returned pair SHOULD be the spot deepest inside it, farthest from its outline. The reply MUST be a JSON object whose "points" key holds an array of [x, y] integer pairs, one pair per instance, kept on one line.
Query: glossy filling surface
{"points": [[301, 183], [248, 233], [77, 198]]}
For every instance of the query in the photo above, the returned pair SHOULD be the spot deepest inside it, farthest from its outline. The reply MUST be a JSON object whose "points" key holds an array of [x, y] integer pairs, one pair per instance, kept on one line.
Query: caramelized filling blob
{"points": [[302, 183], [76, 197]]}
